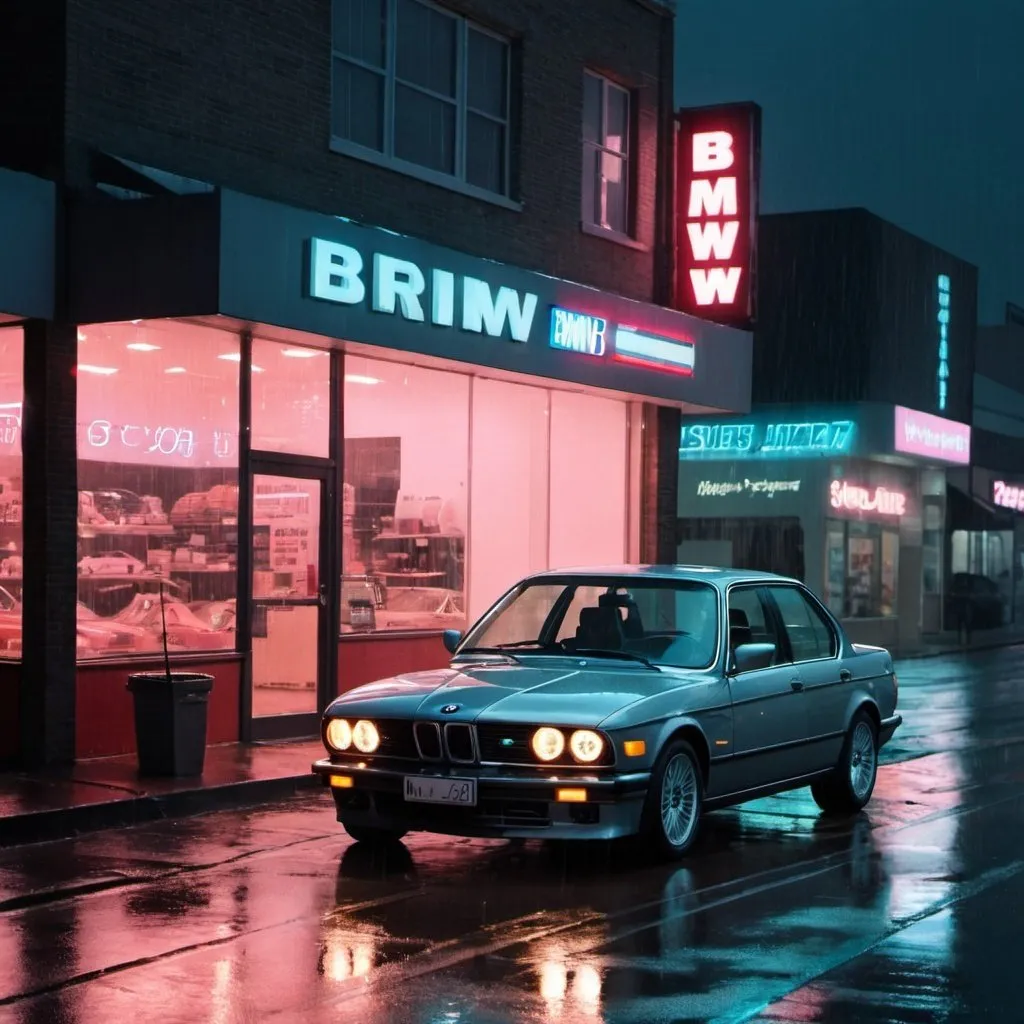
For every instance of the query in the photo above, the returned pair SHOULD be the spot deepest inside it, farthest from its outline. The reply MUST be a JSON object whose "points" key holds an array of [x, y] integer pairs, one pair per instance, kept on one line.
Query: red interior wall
{"points": [[105, 723], [365, 659], [10, 739]]}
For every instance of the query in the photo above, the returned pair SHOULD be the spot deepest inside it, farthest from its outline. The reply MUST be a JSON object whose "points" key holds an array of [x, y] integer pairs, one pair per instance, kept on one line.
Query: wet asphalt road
{"points": [[912, 912]]}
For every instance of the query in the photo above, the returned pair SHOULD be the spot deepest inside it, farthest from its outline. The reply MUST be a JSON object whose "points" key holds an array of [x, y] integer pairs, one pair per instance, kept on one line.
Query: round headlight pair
{"points": [[585, 745], [343, 736]]}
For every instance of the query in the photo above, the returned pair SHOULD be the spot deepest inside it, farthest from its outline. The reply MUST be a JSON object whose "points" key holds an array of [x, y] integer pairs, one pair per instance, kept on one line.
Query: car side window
{"points": [[750, 621], [810, 636]]}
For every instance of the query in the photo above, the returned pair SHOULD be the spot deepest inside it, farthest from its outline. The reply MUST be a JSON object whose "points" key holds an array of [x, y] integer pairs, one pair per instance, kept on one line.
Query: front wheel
{"points": [[674, 801], [849, 787], [372, 836]]}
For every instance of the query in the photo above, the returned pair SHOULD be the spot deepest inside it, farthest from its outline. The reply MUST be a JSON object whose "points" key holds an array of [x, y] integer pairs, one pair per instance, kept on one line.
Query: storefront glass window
{"points": [[158, 487], [11, 394], [870, 555], [405, 500], [291, 399]]}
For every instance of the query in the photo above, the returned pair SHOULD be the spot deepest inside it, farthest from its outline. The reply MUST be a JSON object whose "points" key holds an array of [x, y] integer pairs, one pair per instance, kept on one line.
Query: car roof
{"points": [[705, 573]]}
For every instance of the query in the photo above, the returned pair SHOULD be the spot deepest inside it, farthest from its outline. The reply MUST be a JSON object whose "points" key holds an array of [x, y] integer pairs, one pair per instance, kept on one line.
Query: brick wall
{"points": [[237, 93]]}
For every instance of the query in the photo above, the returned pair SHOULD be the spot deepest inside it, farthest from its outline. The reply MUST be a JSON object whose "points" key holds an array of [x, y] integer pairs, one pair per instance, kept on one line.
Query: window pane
{"points": [[809, 637], [425, 46], [487, 74], [592, 86], [617, 126], [509, 474], [587, 432], [357, 106], [404, 511], [12, 389], [291, 399], [485, 153], [614, 193], [158, 479], [424, 130], [359, 30]]}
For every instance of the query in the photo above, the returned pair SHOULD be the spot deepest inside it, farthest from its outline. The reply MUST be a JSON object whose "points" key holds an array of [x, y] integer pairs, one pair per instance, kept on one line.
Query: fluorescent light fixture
{"points": [[302, 353], [103, 371], [175, 369], [650, 350], [358, 378], [257, 369], [231, 357], [271, 495], [82, 335], [142, 346]]}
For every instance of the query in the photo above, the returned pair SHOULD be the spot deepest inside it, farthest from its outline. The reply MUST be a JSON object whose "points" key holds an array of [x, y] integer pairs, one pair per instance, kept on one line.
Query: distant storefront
{"points": [[849, 498]]}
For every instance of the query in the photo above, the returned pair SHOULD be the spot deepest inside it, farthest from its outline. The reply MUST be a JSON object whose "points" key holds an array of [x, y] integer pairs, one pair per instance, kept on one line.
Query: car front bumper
{"points": [[510, 804]]}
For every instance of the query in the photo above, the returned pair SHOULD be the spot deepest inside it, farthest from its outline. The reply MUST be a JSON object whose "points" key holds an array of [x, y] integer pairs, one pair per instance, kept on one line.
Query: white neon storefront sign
{"points": [[851, 498]]}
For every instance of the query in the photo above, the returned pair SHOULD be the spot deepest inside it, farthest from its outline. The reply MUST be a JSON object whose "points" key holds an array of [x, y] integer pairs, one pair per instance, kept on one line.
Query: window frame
{"points": [[815, 608], [587, 222], [463, 109], [783, 654]]}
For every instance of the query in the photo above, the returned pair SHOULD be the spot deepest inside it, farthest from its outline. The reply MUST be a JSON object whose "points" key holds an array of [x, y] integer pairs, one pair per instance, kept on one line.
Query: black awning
{"points": [[969, 512]]}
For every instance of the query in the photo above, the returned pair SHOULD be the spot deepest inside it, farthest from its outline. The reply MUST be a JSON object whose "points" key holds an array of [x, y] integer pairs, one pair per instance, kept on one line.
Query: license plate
{"points": [[460, 792]]}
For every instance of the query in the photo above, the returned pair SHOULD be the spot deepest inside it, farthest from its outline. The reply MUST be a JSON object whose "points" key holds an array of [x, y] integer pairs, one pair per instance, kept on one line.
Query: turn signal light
{"points": [[571, 796], [634, 748], [341, 782]]}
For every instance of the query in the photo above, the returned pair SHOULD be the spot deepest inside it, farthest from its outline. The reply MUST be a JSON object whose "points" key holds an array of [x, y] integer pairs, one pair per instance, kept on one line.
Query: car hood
{"points": [[557, 691]]}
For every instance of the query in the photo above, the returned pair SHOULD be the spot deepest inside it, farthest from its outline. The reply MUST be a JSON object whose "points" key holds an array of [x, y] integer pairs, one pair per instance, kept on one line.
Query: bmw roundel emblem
{"points": [[449, 709]]}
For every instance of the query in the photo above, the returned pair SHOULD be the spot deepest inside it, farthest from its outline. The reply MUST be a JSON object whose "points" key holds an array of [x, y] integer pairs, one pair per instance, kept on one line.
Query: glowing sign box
{"points": [[943, 318], [851, 498], [1008, 495], [717, 167], [577, 332], [932, 437], [798, 439], [653, 351]]}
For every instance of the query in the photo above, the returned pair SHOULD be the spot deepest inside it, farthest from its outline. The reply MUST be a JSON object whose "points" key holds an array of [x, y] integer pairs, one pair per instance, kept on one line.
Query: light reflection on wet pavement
{"points": [[904, 914]]}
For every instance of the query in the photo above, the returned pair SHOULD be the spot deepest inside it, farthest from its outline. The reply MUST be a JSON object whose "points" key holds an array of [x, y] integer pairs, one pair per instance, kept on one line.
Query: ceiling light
{"points": [[103, 371], [82, 335], [302, 353], [231, 357], [142, 346], [257, 369], [358, 378], [175, 369]]}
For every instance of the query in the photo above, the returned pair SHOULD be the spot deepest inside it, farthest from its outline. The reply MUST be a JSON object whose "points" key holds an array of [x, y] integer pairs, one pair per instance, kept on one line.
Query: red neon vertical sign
{"points": [[718, 152]]}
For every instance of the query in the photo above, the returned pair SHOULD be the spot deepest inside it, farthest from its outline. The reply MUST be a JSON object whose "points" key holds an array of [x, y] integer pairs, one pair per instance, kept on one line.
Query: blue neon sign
{"points": [[943, 318], [577, 332], [780, 440]]}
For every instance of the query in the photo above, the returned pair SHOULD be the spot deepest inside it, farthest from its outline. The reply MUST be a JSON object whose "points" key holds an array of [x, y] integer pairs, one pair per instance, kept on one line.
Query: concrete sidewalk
{"points": [[108, 793], [947, 642]]}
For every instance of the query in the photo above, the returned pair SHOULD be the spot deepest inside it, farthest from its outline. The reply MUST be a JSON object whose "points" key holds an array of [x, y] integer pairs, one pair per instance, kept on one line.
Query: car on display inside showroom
{"points": [[607, 702]]}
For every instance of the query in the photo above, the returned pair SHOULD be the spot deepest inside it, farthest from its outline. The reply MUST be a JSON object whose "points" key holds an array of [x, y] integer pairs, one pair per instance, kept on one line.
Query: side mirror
{"points": [[452, 638], [750, 657]]}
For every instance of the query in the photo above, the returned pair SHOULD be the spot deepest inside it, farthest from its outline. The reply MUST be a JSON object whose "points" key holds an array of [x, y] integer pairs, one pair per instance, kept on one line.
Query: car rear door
{"points": [[769, 715], [813, 644]]}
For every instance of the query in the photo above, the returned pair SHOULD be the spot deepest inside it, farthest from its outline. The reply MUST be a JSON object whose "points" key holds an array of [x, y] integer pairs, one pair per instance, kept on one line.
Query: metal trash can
{"points": [[170, 721]]}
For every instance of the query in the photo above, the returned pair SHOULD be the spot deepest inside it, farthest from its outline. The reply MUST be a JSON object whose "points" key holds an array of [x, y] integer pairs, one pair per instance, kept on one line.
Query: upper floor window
{"points": [[422, 87], [606, 155]]}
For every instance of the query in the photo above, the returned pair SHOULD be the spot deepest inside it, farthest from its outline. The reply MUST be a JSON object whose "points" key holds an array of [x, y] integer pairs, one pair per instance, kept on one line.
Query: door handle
{"points": [[323, 595], [845, 675], [797, 684]]}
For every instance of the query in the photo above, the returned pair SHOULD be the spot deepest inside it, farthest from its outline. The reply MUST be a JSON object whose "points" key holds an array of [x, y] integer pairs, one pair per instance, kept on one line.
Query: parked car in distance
{"points": [[974, 600], [605, 702]]}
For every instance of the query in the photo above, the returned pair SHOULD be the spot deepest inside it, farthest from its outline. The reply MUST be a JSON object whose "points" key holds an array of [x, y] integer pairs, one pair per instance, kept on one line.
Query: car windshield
{"points": [[660, 621]]}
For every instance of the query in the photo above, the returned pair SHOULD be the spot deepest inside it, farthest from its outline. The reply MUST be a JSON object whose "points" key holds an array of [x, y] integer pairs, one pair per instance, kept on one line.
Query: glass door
{"points": [[290, 676]]}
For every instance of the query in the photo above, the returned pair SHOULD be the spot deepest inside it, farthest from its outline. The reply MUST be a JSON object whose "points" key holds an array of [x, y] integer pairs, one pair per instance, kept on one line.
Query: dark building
{"points": [[862, 384], [320, 317]]}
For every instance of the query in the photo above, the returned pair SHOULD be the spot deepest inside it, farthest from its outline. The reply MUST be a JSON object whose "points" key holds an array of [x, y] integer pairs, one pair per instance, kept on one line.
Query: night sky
{"points": [[911, 108]]}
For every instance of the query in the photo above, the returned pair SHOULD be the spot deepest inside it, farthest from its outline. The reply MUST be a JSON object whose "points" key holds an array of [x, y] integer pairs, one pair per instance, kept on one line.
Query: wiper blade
{"points": [[486, 650], [600, 652]]}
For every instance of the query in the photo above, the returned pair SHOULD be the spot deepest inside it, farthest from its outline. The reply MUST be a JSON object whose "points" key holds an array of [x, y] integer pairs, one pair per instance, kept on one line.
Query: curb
{"points": [[944, 651], [68, 822]]}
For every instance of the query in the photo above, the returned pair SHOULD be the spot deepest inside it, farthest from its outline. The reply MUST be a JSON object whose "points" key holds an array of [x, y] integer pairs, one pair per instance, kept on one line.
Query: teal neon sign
{"points": [[769, 440], [943, 318]]}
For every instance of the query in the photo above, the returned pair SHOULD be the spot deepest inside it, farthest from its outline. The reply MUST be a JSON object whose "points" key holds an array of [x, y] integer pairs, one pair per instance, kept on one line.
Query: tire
{"points": [[848, 788], [675, 799], [373, 836]]}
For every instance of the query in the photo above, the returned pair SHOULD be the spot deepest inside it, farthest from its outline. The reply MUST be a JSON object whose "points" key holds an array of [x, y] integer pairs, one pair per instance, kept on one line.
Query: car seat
{"points": [[601, 628], [739, 628]]}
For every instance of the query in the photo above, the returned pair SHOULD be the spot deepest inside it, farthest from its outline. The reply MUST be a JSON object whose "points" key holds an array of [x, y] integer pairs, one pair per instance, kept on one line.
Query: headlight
{"points": [[339, 734], [586, 745], [548, 743], [365, 736]]}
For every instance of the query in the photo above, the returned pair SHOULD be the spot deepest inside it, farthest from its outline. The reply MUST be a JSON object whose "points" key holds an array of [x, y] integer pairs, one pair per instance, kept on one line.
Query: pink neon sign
{"points": [[852, 498], [1008, 495], [921, 433]]}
